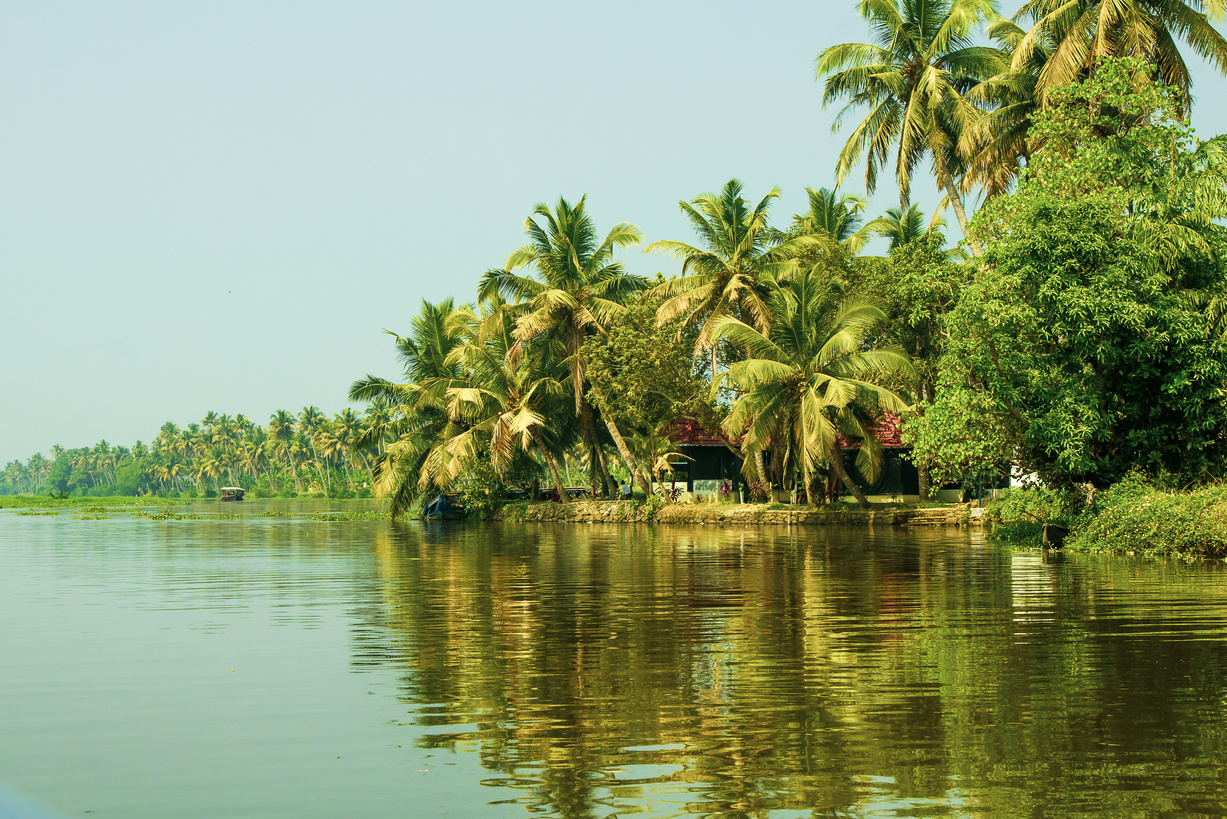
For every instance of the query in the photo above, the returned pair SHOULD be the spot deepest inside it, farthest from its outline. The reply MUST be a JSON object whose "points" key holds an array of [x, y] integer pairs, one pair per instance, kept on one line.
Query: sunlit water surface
{"points": [[270, 667]]}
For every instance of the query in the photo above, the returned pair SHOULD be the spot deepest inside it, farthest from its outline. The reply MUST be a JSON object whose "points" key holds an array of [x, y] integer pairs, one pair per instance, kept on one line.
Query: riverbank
{"points": [[1130, 518], [754, 514]]}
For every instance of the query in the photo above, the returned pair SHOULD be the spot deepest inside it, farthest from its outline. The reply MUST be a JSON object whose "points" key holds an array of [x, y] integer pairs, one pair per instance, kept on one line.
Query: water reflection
{"points": [[586, 671], [605, 670]]}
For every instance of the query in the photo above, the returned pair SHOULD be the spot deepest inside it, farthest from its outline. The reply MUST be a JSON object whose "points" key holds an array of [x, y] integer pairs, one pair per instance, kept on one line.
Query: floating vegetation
{"points": [[224, 516], [273, 513], [91, 517], [31, 512], [166, 515], [335, 516], [95, 510]]}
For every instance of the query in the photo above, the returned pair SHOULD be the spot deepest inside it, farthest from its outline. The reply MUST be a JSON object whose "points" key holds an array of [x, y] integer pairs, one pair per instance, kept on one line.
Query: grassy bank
{"points": [[656, 511], [1129, 518], [46, 502]]}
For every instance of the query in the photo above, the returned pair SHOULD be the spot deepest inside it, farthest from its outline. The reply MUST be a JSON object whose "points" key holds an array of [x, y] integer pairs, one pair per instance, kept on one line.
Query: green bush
{"points": [[1134, 517], [1029, 505]]}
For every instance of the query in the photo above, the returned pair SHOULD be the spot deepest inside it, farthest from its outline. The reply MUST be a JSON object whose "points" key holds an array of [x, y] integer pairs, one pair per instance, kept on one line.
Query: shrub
{"points": [[1133, 517], [1029, 505]]}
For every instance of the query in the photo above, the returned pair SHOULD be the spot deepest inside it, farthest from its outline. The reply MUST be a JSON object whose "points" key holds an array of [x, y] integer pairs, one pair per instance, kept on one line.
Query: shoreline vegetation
{"points": [[1076, 336], [1132, 518]]}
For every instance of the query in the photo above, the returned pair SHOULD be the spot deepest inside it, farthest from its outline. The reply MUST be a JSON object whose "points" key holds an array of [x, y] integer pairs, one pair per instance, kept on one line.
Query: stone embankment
{"points": [[744, 514]]}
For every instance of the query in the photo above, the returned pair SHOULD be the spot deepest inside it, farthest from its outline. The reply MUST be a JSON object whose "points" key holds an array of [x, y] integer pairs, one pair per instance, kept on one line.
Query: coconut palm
{"points": [[810, 386], [577, 290], [836, 217], [913, 79], [733, 271], [408, 424], [508, 399], [281, 436], [1072, 35], [904, 226]]}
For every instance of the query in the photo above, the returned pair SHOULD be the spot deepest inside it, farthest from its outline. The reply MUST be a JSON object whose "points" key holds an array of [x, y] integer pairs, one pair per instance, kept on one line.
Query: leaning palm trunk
{"points": [[625, 452], [837, 466], [761, 465], [559, 486], [956, 201]]}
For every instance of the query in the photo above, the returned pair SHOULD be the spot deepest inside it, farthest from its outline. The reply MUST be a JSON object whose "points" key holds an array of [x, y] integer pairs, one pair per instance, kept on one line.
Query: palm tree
{"points": [[913, 79], [281, 434], [577, 291], [835, 217], [811, 383], [1072, 35], [310, 422], [904, 226], [733, 272], [507, 399], [407, 423]]}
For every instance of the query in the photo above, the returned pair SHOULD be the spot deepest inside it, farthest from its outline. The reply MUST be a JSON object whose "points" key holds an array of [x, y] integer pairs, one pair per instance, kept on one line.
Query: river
{"points": [[285, 667]]}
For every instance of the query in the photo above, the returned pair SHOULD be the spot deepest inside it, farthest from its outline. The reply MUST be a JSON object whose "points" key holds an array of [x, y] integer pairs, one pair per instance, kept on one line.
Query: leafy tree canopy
{"points": [[1078, 351]]}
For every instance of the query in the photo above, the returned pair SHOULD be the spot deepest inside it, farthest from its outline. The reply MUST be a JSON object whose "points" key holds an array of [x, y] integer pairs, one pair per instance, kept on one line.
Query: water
{"points": [[269, 667]]}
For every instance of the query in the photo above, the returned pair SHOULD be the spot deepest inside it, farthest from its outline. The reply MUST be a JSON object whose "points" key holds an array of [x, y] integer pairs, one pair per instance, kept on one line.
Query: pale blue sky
{"points": [[219, 206]]}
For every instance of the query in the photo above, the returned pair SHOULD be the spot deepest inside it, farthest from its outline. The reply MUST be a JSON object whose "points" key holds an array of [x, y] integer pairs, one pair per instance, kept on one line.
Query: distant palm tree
{"points": [[281, 434]]}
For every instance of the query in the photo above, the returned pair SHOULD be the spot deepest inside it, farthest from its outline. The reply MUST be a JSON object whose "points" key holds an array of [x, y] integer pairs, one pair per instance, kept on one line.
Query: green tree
{"points": [[734, 270], [913, 79], [643, 377], [1074, 36], [916, 288], [577, 290], [811, 382], [408, 424], [1077, 351]]}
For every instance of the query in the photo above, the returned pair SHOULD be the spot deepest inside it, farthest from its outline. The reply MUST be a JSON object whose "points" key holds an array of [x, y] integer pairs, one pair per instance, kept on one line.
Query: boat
{"points": [[444, 507], [232, 493]]}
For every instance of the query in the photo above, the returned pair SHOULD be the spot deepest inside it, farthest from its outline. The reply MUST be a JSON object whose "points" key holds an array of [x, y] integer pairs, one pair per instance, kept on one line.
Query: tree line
{"points": [[293, 454], [1074, 333]]}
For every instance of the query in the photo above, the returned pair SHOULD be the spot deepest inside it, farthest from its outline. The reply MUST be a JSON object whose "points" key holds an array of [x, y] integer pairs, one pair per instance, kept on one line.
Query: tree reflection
{"points": [[734, 672]]}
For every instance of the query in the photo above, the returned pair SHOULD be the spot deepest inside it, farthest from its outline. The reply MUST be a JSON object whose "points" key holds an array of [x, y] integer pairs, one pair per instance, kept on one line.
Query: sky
{"points": [[221, 206]]}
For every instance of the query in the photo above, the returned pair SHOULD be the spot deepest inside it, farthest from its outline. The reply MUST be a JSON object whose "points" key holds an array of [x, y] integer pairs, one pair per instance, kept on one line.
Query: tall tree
{"points": [[573, 290], [734, 269], [913, 79], [811, 382], [1073, 35]]}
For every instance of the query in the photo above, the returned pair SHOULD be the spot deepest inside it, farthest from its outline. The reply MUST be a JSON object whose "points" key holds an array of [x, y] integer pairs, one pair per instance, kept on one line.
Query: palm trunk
{"points": [[559, 487], [956, 200], [761, 466], [809, 481], [625, 452], [837, 466], [925, 482]]}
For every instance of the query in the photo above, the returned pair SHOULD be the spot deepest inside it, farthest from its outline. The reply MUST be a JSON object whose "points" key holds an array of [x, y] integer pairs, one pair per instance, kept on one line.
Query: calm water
{"points": [[285, 667]]}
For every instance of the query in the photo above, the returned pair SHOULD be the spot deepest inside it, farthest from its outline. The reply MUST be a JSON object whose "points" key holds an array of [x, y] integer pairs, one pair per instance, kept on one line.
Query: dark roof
{"points": [[689, 432], [886, 430]]}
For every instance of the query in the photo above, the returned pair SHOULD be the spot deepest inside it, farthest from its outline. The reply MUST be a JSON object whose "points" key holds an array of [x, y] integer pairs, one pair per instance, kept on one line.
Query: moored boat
{"points": [[232, 493], [444, 507]]}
